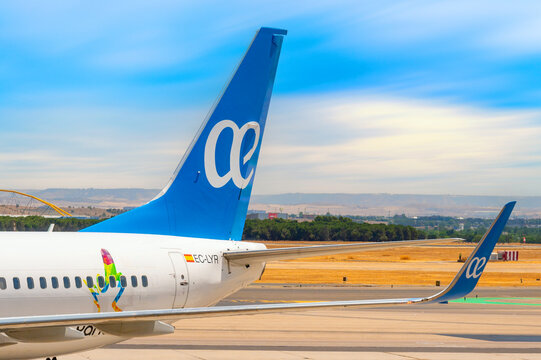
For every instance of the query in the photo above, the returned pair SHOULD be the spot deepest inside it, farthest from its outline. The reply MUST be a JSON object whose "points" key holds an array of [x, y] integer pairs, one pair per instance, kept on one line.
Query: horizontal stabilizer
{"points": [[318, 250]]}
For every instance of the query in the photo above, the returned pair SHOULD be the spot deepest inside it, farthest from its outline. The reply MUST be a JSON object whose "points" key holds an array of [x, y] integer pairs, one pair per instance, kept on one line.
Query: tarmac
{"points": [[492, 323]]}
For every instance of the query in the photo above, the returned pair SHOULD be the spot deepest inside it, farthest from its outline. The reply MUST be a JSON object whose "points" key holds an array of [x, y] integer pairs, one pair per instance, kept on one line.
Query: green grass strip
{"points": [[499, 301]]}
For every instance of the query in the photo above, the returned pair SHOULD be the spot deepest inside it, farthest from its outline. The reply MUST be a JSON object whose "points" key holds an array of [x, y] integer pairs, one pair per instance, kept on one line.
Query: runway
{"points": [[477, 328]]}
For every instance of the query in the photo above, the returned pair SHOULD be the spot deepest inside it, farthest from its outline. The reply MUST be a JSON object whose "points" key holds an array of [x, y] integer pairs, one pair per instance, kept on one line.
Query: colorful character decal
{"points": [[110, 270]]}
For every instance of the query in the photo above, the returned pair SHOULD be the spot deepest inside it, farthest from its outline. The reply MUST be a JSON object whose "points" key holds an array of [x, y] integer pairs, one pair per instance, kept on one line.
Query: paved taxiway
{"points": [[482, 330]]}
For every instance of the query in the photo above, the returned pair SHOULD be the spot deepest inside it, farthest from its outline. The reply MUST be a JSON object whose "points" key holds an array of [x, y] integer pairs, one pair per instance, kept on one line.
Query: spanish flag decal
{"points": [[189, 258]]}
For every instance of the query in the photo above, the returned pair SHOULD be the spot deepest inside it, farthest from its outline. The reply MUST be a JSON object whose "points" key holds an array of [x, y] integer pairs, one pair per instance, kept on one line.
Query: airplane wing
{"points": [[149, 322], [308, 251]]}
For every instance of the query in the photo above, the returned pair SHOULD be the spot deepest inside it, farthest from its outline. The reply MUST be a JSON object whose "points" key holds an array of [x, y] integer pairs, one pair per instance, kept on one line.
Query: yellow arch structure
{"points": [[54, 207]]}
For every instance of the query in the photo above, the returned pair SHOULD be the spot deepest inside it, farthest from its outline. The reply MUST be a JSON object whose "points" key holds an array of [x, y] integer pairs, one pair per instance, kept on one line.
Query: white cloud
{"points": [[502, 28], [359, 143], [98, 147], [115, 33], [338, 142]]}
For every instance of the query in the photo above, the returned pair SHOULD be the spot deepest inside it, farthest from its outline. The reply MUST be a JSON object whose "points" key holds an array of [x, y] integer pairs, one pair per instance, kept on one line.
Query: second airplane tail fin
{"points": [[208, 195]]}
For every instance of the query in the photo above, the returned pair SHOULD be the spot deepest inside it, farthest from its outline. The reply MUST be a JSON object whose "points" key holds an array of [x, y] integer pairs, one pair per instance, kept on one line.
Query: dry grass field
{"points": [[422, 265]]}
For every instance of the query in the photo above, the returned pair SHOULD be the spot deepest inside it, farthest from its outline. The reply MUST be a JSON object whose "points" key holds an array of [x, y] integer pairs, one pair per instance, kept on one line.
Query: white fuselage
{"points": [[50, 262]]}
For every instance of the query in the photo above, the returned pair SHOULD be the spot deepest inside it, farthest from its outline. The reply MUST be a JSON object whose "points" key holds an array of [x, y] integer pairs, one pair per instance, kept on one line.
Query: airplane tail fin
{"points": [[208, 194]]}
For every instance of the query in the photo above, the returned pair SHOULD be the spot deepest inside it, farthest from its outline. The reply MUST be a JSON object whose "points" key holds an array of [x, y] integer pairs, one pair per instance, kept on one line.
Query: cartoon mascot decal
{"points": [[110, 270]]}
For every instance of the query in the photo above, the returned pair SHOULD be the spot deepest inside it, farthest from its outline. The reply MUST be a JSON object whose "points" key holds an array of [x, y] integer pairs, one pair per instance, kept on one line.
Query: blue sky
{"points": [[389, 96]]}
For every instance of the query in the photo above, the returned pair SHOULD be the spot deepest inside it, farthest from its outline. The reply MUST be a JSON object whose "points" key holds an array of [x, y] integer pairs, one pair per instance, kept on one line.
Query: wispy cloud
{"points": [[484, 52], [93, 147], [346, 142], [358, 143]]}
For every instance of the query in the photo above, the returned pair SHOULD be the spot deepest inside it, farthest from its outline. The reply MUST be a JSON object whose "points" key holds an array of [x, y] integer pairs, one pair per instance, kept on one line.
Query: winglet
{"points": [[468, 276]]}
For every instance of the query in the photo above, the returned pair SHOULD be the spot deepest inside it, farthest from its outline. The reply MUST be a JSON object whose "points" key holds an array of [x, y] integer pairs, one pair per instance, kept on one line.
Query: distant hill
{"points": [[104, 198], [340, 204], [391, 204]]}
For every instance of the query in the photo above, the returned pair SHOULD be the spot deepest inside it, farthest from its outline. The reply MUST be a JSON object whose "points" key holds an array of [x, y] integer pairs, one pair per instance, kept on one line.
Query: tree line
{"points": [[511, 234], [327, 228], [39, 223], [323, 228]]}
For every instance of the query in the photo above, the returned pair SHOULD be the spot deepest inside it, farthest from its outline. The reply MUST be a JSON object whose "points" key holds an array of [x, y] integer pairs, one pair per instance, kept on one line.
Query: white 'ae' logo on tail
{"points": [[234, 157], [475, 269]]}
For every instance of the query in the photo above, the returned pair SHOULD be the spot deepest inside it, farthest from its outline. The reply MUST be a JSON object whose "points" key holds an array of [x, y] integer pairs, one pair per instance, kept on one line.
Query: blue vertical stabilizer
{"points": [[208, 195]]}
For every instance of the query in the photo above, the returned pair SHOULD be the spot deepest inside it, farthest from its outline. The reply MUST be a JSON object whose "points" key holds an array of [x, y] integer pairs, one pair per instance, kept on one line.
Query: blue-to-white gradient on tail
{"points": [[209, 192]]}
